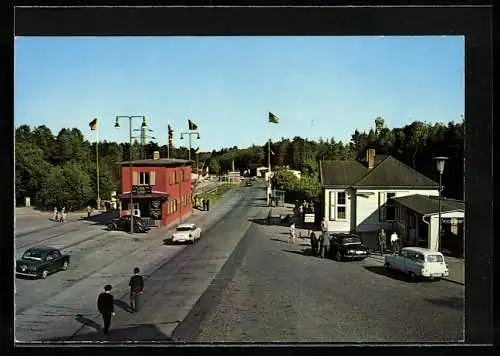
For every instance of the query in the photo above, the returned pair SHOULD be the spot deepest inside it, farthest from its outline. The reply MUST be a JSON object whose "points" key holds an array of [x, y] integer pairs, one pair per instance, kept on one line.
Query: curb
{"points": [[452, 281]]}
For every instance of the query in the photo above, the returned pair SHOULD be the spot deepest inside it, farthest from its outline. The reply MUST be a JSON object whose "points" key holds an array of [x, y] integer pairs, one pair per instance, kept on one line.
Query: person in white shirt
{"points": [[292, 233], [394, 242]]}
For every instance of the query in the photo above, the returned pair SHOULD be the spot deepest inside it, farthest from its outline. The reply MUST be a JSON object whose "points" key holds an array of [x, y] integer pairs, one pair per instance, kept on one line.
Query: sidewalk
{"points": [[456, 267]]}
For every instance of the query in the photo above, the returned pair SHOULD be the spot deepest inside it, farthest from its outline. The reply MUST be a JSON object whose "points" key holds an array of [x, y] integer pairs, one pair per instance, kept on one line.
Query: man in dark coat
{"points": [[105, 305], [136, 285], [314, 243], [207, 202], [203, 204]]}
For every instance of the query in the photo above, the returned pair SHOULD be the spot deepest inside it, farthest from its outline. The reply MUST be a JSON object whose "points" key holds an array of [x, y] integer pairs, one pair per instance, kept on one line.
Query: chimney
{"points": [[156, 155], [370, 157]]}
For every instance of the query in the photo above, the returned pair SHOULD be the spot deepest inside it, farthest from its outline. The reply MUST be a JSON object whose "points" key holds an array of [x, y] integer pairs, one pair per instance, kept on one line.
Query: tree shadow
{"points": [[145, 332], [264, 221], [450, 302], [122, 305]]}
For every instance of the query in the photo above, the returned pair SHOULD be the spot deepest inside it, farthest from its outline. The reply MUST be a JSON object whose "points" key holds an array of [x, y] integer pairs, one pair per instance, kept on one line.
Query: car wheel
{"points": [[45, 274], [338, 256], [412, 275], [388, 266], [65, 266], [111, 227]]}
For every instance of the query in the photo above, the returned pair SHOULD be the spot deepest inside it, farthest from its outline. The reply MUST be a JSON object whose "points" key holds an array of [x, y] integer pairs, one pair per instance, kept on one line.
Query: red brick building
{"points": [[161, 190]]}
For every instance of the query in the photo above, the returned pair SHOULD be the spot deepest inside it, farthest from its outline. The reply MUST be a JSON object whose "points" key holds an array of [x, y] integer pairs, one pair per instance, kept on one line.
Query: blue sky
{"points": [[317, 86]]}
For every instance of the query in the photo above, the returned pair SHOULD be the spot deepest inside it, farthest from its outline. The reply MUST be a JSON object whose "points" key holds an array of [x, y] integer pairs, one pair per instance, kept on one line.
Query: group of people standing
{"points": [[106, 303], [320, 244], [382, 241], [205, 203], [59, 216]]}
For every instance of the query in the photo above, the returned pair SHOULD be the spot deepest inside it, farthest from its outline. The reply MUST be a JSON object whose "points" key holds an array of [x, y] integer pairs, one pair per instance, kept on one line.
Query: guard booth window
{"points": [[144, 178]]}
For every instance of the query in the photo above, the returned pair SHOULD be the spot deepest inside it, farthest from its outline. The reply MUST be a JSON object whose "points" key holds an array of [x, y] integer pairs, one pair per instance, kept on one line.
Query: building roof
{"points": [[341, 173], [428, 205], [158, 162]]}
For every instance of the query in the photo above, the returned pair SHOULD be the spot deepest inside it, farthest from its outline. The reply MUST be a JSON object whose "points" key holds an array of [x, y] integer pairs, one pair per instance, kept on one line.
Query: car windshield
{"points": [[183, 228], [32, 255], [434, 258], [351, 240]]}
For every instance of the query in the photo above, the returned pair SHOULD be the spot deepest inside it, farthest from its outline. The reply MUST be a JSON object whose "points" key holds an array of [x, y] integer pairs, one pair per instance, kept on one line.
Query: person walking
{"points": [[324, 226], [381, 240], [394, 242], [105, 305], [314, 244], [54, 217], [89, 211], [202, 204], [325, 245], [207, 202], [63, 214], [291, 238], [136, 285]]}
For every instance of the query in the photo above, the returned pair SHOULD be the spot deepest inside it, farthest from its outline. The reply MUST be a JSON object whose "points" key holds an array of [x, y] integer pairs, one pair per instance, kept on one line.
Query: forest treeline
{"points": [[60, 170]]}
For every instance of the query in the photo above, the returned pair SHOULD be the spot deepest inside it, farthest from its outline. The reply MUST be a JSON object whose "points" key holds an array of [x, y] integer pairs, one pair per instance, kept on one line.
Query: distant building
{"points": [[161, 190]]}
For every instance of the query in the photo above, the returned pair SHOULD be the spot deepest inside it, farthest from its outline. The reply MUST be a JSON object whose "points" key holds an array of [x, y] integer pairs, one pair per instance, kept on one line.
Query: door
{"points": [[58, 261], [414, 262], [50, 264]]}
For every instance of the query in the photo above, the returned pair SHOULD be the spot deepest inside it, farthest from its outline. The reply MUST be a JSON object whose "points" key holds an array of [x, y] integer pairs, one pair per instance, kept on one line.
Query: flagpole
{"points": [[269, 165], [168, 139], [97, 165]]}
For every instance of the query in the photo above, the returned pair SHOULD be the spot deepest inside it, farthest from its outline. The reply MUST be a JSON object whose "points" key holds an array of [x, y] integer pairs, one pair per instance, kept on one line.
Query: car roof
{"points": [[422, 250], [345, 234], [42, 248], [190, 225]]}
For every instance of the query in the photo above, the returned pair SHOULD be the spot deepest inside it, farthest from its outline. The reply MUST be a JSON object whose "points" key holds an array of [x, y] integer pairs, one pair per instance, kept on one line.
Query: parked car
{"points": [[40, 261], [347, 247], [418, 262], [186, 232], [123, 224]]}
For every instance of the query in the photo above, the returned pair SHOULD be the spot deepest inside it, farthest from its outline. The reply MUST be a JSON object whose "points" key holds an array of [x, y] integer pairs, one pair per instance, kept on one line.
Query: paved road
{"points": [[270, 290], [60, 305]]}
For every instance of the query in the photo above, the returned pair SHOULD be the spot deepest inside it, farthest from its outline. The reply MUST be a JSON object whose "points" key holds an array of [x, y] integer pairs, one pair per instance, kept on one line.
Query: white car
{"points": [[186, 232], [418, 262]]}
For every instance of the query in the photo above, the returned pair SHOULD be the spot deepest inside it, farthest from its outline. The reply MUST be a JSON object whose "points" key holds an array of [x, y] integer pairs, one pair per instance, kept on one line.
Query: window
{"points": [[435, 258], [144, 178], [338, 205]]}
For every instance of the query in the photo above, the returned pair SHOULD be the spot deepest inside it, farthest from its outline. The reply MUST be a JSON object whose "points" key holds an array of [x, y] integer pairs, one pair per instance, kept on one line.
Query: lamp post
{"points": [[440, 161], [190, 133], [117, 125]]}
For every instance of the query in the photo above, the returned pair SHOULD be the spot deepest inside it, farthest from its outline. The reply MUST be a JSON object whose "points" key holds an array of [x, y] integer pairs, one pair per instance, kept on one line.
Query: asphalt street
{"points": [[241, 282], [270, 290], [65, 303]]}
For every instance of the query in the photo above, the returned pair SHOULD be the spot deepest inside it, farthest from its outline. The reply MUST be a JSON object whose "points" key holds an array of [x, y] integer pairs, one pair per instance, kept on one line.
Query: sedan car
{"points": [[347, 247], [40, 261], [186, 233], [418, 262], [123, 224]]}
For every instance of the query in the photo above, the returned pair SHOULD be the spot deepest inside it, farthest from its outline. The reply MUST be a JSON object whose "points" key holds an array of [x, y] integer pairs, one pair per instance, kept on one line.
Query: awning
{"points": [[143, 196]]}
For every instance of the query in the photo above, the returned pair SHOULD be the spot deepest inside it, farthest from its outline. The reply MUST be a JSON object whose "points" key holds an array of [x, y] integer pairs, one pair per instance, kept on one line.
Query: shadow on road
{"points": [[381, 270], [274, 239], [87, 322], [303, 252], [145, 332], [122, 305], [102, 218], [450, 302]]}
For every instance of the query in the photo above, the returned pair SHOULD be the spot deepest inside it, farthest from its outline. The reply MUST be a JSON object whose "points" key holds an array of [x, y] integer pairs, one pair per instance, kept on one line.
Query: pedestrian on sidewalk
{"points": [[136, 285], [89, 211], [208, 204], [394, 242], [292, 233], [314, 243], [105, 305], [202, 204], [381, 240], [63, 214], [325, 245], [54, 217]]}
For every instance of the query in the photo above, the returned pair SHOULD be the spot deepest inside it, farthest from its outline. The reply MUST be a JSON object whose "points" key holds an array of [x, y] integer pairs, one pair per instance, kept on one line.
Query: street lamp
{"points": [[117, 125], [190, 133], [440, 161]]}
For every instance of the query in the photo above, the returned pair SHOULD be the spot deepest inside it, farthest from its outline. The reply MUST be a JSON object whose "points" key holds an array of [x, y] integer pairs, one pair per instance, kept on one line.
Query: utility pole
{"points": [[142, 138]]}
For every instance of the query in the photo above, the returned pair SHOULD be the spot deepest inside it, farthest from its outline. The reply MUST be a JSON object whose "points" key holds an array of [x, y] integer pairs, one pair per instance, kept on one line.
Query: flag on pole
{"points": [[170, 135], [273, 118], [93, 125], [192, 125]]}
